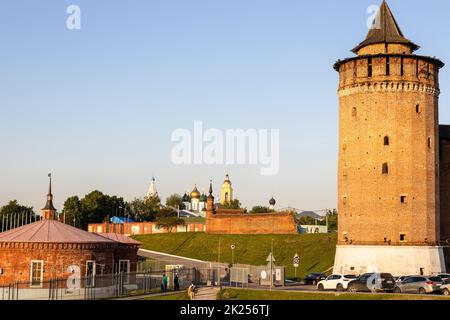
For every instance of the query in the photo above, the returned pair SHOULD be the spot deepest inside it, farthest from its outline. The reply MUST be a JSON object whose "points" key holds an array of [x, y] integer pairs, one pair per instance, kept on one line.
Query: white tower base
{"points": [[397, 260]]}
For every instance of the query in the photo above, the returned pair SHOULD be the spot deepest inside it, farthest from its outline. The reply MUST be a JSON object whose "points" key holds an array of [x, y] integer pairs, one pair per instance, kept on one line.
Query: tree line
{"points": [[97, 207]]}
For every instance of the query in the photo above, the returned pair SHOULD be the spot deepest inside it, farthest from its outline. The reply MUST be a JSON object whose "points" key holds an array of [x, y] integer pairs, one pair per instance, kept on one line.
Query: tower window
{"points": [[369, 67], [344, 200], [403, 199], [429, 142], [402, 237], [354, 112], [385, 169], [402, 71], [417, 68], [388, 66], [386, 141], [418, 108]]}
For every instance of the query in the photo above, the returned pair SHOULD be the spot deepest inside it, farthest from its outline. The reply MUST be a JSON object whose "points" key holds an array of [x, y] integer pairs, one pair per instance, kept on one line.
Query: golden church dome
{"points": [[195, 194]]}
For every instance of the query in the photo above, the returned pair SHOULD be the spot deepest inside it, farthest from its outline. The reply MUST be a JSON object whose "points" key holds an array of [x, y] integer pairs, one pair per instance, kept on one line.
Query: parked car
{"points": [[336, 282], [445, 289], [360, 284], [444, 276], [400, 279], [314, 278], [419, 284]]}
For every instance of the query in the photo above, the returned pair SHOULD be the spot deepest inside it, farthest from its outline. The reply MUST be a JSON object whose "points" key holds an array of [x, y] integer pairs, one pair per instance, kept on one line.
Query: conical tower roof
{"points": [[385, 29], [51, 231]]}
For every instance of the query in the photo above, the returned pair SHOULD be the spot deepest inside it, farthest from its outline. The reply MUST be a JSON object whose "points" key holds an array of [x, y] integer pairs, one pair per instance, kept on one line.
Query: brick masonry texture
{"points": [[241, 223], [389, 117]]}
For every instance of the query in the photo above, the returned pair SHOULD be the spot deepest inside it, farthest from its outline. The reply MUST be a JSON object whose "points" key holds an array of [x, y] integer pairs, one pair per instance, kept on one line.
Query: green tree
{"points": [[16, 212], [234, 204], [145, 209], [167, 218], [175, 201], [261, 209], [332, 219], [74, 213]]}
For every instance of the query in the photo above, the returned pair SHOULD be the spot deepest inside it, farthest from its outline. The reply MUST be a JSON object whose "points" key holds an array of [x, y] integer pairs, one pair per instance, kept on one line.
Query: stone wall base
{"points": [[397, 260]]}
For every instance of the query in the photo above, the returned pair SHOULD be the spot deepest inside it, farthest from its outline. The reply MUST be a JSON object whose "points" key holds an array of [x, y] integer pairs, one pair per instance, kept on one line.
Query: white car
{"points": [[336, 282]]}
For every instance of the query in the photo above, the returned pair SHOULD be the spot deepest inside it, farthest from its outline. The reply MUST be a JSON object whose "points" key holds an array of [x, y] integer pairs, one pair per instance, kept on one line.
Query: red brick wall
{"points": [[278, 223], [15, 259], [143, 227], [445, 189]]}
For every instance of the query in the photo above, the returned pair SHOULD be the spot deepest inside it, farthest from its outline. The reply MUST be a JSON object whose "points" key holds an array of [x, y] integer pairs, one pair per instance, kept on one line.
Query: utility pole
{"points": [[218, 266], [271, 265]]}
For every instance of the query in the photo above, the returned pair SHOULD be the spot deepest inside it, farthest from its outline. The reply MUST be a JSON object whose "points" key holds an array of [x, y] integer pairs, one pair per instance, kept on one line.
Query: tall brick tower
{"points": [[388, 180]]}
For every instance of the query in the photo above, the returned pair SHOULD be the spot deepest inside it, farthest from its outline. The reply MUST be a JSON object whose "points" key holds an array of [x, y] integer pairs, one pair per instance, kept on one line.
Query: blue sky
{"points": [[96, 106]]}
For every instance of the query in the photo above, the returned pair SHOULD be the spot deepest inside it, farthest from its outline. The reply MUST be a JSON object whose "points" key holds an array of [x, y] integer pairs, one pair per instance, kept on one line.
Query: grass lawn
{"points": [[174, 296], [238, 294], [316, 251]]}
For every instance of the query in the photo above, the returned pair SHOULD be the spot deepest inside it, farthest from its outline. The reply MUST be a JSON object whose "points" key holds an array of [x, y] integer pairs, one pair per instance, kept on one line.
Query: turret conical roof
{"points": [[385, 29]]}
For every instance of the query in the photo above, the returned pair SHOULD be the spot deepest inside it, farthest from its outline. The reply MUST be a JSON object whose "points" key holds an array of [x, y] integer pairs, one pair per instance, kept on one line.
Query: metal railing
{"points": [[97, 287]]}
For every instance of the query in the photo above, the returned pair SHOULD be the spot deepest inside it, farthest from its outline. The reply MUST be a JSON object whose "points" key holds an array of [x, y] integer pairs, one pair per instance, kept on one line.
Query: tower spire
{"points": [[49, 211], [385, 29]]}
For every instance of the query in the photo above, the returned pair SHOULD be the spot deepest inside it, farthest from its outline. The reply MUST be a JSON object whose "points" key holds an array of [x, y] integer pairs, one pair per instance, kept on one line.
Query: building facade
{"points": [[388, 176], [48, 249]]}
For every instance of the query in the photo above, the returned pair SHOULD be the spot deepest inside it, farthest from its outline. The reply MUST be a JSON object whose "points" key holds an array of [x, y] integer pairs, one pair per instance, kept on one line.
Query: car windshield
{"points": [[350, 276]]}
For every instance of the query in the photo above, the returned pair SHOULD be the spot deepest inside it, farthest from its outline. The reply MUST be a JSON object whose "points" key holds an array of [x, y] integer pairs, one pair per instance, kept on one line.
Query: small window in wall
{"points": [[344, 200], [418, 108], [354, 112], [402, 237], [37, 273], [369, 67], [429, 144], [385, 168], [402, 70], [403, 199], [388, 66], [386, 140]]}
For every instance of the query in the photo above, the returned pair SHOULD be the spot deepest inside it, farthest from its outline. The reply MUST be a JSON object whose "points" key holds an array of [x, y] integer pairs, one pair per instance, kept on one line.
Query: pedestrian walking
{"points": [[191, 292]]}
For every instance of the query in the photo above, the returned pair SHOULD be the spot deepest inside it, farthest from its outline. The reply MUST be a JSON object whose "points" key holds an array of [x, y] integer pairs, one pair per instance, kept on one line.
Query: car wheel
{"points": [[397, 290], [422, 291], [320, 287], [339, 287], [446, 292], [352, 289]]}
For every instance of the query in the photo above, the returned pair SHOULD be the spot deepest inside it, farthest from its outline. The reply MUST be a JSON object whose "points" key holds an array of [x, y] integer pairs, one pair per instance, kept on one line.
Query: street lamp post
{"points": [[232, 254]]}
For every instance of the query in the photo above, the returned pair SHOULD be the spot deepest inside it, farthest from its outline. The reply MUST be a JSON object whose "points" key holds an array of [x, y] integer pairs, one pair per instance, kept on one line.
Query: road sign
{"points": [[270, 258], [296, 261], [233, 247]]}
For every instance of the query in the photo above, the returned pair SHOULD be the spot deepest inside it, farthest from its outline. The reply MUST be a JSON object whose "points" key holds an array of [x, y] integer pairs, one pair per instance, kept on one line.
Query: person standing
{"points": [[165, 279], [176, 282]]}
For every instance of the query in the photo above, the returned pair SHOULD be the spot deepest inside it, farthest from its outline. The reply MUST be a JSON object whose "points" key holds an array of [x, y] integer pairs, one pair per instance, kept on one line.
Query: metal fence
{"points": [[100, 286]]}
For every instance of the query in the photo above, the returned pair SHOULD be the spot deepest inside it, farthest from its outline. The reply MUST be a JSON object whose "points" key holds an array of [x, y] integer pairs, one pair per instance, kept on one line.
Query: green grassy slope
{"points": [[316, 251]]}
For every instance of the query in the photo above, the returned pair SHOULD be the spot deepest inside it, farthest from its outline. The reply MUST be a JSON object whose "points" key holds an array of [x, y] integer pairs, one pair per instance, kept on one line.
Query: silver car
{"points": [[419, 284]]}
